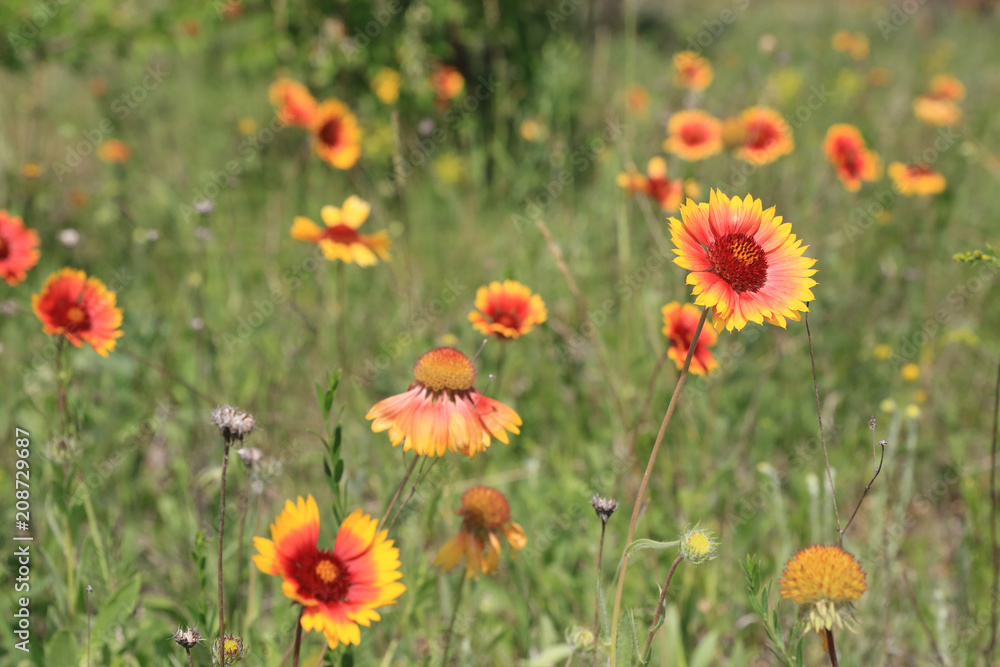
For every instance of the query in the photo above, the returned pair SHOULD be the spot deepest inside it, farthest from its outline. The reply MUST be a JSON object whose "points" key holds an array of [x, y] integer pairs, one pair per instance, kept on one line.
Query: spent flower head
{"points": [[188, 638], [604, 507], [233, 424]]}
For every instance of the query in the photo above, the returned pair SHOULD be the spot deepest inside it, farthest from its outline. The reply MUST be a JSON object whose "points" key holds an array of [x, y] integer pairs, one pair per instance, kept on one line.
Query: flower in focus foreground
{"points": [[340, 588], [296, 106], [679, 323], [442, 410], [337, 135], [744, 264], [762, 135], [692, 71], [916, 179], [80, 308], [340, 238], [694, 135], [18, 248], [845, 148], [485, 513], [507, 309], [825, 580]]}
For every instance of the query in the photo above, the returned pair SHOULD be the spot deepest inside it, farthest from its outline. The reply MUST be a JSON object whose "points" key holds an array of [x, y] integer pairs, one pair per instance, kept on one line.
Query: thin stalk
{"points": [[995, 589], [832, 647], [645, 481], [89, 589], [222, 522], [95, 533], [659, 606], [190, 661], [399, 489], [413, 490], [649, 399], [451, 623], [822, 434], [244, 509], [597, 590], [341, 306], [60, 386], [298, 639]]}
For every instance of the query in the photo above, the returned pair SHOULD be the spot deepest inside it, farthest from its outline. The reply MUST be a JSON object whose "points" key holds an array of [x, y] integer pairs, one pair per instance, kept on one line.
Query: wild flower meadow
{"points": [[441, 333]]}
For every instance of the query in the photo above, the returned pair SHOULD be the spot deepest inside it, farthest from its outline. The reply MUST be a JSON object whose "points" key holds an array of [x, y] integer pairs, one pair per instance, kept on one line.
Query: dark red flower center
{"points": [[660, 188], [694, 134], [342, 234], [761, 134], [71, 316], [4, 248], [851, 163], [508, 319], [919, 169], [322, 576], [329, 134], [740, 261]]}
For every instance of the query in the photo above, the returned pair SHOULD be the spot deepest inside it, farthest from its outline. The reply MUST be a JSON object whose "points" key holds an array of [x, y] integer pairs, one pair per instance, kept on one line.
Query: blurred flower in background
{"points": [[18, 248], [485, 516]]}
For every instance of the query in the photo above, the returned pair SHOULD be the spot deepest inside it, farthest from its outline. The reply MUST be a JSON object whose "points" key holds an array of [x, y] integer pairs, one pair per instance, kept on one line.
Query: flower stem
{"points": [[833, 649], [244, 509], [451, 623], [298, 639], [190, 662], [659, 606], [60, 386], [222, 520], [822, 434], [597, 590], [645, 481], [399, 489], [995, 588]]}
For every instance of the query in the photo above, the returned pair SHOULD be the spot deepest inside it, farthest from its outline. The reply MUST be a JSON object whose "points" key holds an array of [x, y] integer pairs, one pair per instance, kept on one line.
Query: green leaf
{"points": [[114, 612], [640, 545], [339, 471], [61, 649]]}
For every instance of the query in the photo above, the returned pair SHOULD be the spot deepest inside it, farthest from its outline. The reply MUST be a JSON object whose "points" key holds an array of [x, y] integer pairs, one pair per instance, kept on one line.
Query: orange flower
{"points": [[764, 136], [679, 323], [507, 309], [936, 112], [31, 170], [296, 106], [446, 82], [845, 149], [18, 248], [745, 264], [337, 135], [340, 239], [656, 185], [114, 151], [944, 87], [442, 409], [80, 308], [916, 179], [692, 71], [694, 135], [825, 580], [632, 181], [340, 588], [636, 99], [485, 514]]}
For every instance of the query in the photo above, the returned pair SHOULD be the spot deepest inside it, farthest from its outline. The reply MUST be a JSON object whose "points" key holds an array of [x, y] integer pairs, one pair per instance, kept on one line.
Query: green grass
{"points": [[145, 450]]}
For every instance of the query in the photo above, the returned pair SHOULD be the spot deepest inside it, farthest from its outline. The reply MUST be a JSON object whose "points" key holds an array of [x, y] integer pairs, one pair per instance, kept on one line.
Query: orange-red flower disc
{"points": [[692, 71], [339, 239], [336, 134], [916, 179], [80, 308], [745, 264], [845, 148], [763, 135], [339, 588], [18, 248], [507, 309], [442, 409], [694, 135]]}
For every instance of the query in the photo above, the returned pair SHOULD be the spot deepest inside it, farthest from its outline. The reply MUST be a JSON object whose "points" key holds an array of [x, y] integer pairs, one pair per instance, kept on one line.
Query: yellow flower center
{"points": [[699, 543], [484, 508], [75, 314], [327, 571], [231, 647], [445, 369]]}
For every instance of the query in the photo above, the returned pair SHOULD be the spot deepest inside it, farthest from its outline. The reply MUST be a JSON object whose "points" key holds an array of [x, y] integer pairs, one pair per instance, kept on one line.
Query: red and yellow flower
{"points": [[485, 515], [694, 135], [762, 136], [442, 410], [679, 323], [114, 152], [339, 588], [340, 239], [655, 184], [446, 82], [636, 99], [507, 309], [18, 248], [80, 308], [939, 106], [856, 44], [336, 134], [692, 71], [825, 580], [745, 264], [845, 148], [944, 87], [296, 105], [916, 179]]}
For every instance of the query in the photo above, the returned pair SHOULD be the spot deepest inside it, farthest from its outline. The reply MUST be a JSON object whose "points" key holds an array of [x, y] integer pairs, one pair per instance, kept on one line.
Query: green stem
{"points": [[95, 533], [645, 481], [659, 606], [451, 623], [222, 523]]}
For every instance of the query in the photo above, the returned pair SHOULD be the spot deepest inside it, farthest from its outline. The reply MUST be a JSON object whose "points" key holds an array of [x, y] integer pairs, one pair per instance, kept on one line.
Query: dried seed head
{"points": [[250, 456], [604, 507], [233, 424], [188, 638], [871, 424]]}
